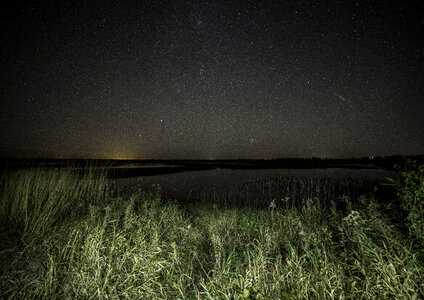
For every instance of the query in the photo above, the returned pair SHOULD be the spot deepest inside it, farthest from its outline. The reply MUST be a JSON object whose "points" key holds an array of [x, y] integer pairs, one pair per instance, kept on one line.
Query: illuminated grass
{"points": [[32, 200], [92, 245]]}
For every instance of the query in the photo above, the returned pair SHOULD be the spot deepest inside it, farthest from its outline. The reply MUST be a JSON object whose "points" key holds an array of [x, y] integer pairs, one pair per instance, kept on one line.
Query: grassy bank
{"points": [[67, 237]]}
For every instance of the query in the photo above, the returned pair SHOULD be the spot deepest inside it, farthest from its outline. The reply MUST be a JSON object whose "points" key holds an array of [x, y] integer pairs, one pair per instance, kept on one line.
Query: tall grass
{"points": [[33, 199], [96, 246]]}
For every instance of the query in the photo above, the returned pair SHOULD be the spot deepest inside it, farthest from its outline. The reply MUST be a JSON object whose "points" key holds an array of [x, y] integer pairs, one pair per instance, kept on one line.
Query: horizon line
{"points": [[210, 159]]}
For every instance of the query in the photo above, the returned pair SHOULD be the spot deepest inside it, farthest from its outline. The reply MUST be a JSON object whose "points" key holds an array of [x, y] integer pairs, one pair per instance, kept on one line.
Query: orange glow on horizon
{"points": [[122, 157]]}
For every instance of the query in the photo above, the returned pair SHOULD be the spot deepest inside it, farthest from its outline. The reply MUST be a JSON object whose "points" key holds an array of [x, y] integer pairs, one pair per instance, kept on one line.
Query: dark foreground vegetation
{"points": [[65, 234]]}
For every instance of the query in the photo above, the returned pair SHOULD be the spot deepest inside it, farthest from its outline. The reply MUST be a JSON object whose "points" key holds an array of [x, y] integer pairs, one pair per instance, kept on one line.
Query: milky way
{"points": [[212, 79]]}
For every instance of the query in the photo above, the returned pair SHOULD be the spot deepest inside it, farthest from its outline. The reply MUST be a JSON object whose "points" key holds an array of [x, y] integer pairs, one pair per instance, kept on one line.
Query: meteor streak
{"points": [[343, 98]]}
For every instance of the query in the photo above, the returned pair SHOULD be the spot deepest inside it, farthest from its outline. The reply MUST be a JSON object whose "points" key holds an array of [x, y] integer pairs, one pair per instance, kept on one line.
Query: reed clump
{"points": [[33, 199]]}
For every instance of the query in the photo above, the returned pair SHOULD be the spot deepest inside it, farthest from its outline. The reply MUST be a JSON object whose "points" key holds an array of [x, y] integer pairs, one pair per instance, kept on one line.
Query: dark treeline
{"points": [[387, 162]]}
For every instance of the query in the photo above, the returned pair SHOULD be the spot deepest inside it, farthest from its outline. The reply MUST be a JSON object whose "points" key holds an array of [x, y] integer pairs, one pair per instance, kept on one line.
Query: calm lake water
{"points": [[195, 185]]}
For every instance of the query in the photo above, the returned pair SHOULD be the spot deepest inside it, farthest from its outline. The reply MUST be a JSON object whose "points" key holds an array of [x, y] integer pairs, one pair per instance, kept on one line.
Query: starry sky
{"points": [[211, 79]]}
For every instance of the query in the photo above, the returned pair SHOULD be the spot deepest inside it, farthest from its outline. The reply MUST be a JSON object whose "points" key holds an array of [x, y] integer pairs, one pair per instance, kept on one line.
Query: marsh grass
{"points": [[91, 245]]}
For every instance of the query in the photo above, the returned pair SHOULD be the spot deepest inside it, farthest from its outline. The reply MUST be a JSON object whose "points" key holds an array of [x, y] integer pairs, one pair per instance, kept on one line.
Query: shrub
{"points": [[410, 191]]}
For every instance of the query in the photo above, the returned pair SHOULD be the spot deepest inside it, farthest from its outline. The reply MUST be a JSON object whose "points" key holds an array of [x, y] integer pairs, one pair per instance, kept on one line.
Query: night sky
{"points": [[211, 79]]}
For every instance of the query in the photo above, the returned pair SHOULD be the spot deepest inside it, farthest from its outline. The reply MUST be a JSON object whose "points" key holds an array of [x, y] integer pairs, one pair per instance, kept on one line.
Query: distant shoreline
{"points": [[135, 168]]}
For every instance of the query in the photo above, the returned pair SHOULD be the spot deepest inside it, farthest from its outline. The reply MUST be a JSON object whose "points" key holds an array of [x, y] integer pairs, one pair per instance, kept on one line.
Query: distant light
{"points": [[123, 158]]}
